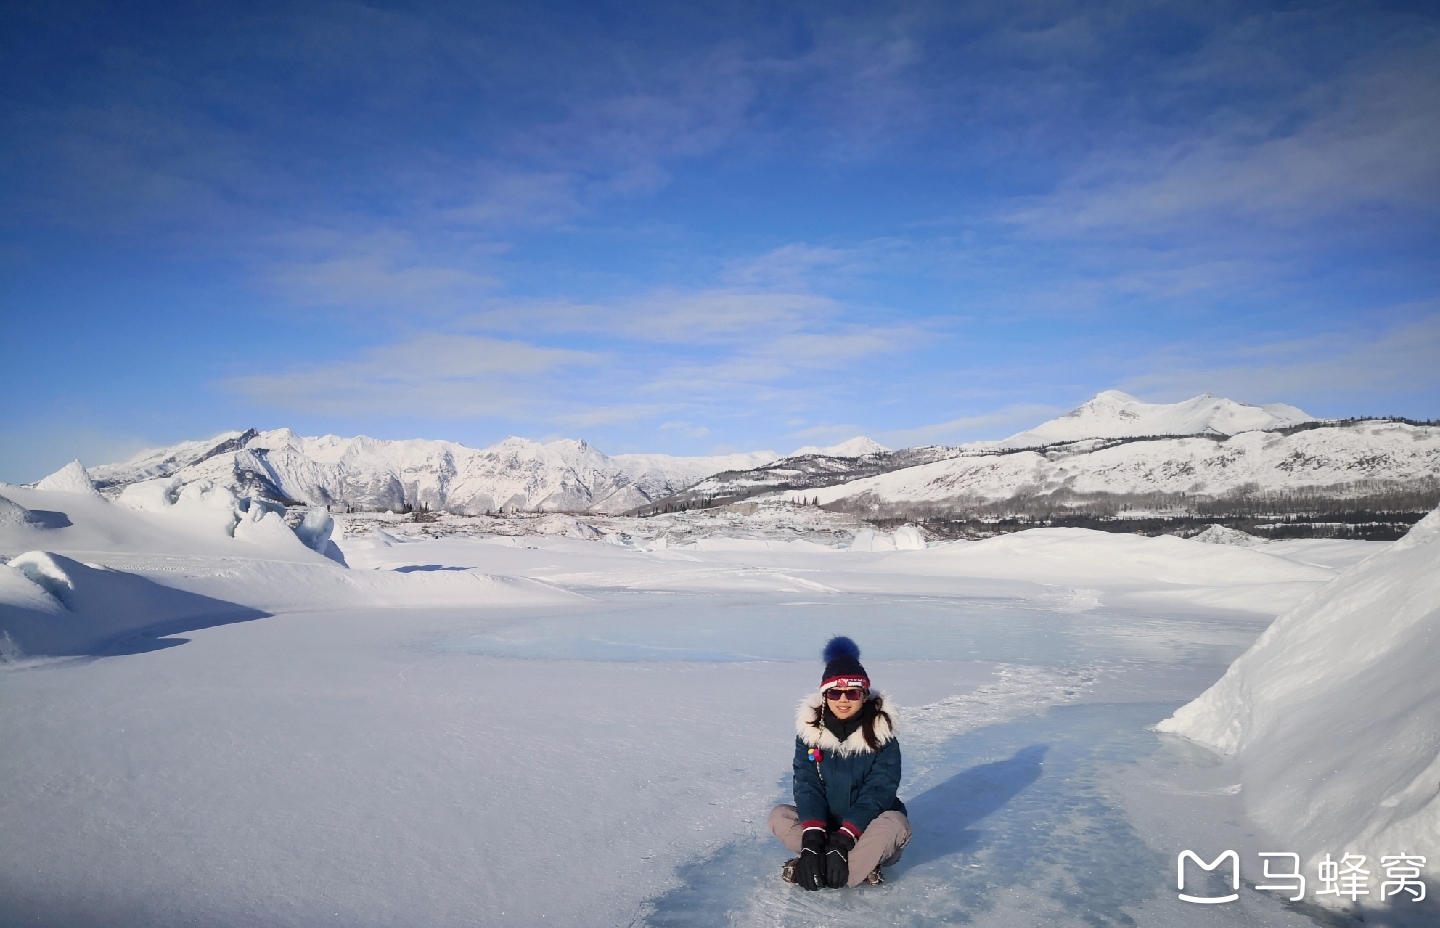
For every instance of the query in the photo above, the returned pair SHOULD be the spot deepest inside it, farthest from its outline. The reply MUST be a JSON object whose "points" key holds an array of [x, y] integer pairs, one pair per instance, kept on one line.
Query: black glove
{"points": [[837, 859], [810, 871]]}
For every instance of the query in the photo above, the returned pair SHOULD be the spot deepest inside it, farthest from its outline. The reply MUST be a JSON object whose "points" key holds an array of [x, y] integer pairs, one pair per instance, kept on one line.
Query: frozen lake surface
{"points": [[1016, 823], [591, 734], [1011, 776]]}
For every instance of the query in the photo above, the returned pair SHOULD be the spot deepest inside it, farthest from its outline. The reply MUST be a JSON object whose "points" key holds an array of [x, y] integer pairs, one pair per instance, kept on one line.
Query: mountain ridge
{"points": [[571, 475], [368, 473]]}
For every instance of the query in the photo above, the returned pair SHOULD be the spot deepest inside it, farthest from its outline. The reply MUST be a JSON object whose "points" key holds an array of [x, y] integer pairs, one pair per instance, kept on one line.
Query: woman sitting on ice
{"points": [[846, 822]]}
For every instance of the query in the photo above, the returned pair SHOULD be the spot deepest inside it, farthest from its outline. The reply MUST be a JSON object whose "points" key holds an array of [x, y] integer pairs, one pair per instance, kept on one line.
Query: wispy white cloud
{"points": [[799, 265], [1351, 367], [685, 429], [512, 198], [823, 432], [788, 371], [679, 359], [666, 316], [1362, 140], [991, 425], [620, 140], [431, 376], [587, 412], [709, 316], [380, 269]]}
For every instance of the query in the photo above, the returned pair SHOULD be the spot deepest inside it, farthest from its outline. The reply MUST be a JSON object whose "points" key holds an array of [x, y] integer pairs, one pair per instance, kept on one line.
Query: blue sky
{"points": [[689, 228]]}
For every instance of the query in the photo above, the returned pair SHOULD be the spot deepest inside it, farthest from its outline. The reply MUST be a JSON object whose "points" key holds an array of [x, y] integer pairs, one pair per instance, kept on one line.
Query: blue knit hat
{"points": [[842, 665]]}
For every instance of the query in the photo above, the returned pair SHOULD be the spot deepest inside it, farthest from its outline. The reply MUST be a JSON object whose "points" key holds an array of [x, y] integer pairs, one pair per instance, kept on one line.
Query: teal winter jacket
{"points": [[852, 782]]}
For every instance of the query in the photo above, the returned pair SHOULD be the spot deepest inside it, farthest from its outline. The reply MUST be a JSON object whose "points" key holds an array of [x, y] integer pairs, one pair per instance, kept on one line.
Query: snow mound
{"points": [[211, 508], [582, 531], [71, 478], [870, 540], [1220, 535], [266, 529], [315, 529], [155, 495], [52, 605], [42, 570], [908, 538], [12, 513], [1334, 713]]}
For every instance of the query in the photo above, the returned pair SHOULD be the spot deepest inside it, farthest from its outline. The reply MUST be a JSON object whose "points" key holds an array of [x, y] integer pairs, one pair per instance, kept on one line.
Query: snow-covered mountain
{"points": [[795, 472], [1114, 444], [1323, 459], [1113, 414], [858, 446], [1110, 414], [372, 474]]}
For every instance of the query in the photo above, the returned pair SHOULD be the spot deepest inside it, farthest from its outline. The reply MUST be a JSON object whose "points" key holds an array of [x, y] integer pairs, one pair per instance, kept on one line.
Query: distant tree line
{"points": [[1372, 509]]}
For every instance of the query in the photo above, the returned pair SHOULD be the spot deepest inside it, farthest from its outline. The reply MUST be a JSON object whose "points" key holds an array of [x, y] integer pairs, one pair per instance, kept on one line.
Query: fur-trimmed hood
{"points": [[814, 734]]}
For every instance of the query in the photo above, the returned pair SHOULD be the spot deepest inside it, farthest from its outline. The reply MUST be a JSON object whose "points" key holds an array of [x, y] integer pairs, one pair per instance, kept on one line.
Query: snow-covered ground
{"points": [[477, 728]]}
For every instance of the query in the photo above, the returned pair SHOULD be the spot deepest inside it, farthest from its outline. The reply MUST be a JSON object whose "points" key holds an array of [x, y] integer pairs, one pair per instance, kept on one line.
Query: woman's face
{"points": [[844, 703]]}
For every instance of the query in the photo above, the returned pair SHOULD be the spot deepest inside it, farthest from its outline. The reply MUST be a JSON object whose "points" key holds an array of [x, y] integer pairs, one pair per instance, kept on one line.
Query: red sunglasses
{"points": [[854, 695]]}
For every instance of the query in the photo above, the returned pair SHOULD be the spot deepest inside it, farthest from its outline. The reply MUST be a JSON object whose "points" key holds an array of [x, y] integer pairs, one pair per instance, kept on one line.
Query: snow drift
{"points": [[53, 605], [12, 513], [1334, 713], [209, 559]]}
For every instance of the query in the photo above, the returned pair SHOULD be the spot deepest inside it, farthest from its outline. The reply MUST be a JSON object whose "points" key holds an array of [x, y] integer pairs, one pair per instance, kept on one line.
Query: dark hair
{"points": [[868, 714]]}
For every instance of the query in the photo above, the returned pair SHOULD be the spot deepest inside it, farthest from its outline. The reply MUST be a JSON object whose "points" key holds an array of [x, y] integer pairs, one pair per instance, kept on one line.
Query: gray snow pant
{"points": [[882, 843]]}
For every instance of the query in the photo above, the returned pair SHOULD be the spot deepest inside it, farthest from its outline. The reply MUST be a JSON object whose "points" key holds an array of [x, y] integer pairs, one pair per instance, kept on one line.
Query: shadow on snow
{"points": [[98, 612], [944, 813]]}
